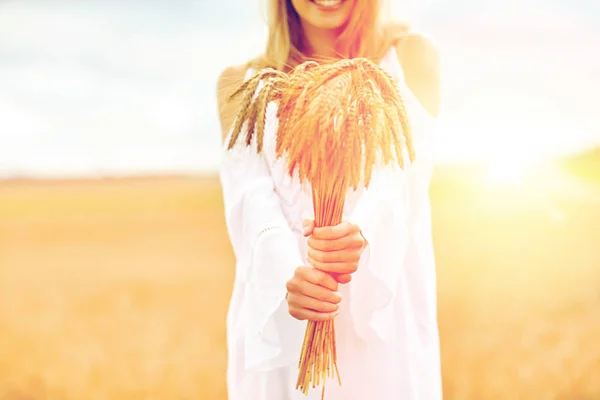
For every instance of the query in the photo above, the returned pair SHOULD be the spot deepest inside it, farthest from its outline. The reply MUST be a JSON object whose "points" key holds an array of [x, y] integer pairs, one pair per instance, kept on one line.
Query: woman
{"points": [[375, 271]]}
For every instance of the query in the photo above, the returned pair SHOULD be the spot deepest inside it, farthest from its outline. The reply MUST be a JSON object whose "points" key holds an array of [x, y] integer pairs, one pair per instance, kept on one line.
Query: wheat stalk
{"points": [[336, 122]]}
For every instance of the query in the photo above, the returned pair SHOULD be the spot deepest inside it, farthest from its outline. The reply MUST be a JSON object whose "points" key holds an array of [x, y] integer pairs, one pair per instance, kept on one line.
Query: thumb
{"points": [[307, 227]]}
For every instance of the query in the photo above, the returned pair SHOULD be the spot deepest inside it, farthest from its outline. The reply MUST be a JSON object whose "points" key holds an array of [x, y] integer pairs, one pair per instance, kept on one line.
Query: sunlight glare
{"points": [[506, 172]]}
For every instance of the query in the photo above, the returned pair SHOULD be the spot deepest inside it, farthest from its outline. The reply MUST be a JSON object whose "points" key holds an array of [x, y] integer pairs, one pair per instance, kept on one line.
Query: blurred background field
{"points": [[115, 266], [118, 288]]}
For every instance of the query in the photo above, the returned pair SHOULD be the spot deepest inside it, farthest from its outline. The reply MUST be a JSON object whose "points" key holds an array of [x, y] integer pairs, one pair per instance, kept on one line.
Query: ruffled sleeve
{"points": [[382, 214], [267, 254]]}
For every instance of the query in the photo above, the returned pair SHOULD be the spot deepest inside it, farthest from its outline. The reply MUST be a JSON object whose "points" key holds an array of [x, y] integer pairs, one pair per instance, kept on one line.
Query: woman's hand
{"points": [[312, 295], [334, 252], [335, 249]]}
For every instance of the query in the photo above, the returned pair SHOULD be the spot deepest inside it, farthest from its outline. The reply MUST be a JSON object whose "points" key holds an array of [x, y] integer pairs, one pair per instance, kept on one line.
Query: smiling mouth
{"points": [[328, 3]]}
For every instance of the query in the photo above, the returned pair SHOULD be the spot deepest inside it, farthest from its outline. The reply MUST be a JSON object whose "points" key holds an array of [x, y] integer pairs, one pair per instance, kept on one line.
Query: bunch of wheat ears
{"points": [[336, 122]]}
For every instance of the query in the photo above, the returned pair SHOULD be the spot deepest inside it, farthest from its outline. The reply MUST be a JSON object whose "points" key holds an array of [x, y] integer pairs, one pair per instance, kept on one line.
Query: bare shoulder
{"points": [[229, 80], [420, 59], [420, 49]]}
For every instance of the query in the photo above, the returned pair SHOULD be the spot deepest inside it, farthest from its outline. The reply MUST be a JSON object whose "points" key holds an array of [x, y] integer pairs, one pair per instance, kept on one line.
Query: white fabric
{"points": [[387, 336]]}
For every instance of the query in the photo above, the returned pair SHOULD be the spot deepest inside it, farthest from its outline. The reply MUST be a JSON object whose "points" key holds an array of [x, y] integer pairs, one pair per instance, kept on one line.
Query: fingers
{"points": [[336, 232], [316, 292], [307, 227], [300, 300], [316, 277], [347, 267], [339, 256], [332, 254], [351, 241], [312, 295]]}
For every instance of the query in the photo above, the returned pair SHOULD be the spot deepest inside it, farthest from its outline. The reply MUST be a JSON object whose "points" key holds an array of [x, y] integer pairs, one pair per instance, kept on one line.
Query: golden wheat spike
{"points": [[383, 80], [336, 69], [245, 111], [304, 157], [377, 127], [351, 126], [251, 124], [339, 89], [302, 127], [261, 105], [403, 118], [253, 80], [367, 138], [242, 88], [406, 129], [290, 112], [394, 125], [250, 109], [370, 155], [284, 110], [305, 67]]}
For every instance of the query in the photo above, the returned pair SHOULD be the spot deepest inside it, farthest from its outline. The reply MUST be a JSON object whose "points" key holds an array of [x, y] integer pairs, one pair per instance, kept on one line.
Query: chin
{"points": [[324, 14]]}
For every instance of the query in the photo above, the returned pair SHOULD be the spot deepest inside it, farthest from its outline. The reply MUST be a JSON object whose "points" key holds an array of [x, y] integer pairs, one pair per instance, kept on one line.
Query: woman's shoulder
{"points": [[418, 47], [419, 57]]}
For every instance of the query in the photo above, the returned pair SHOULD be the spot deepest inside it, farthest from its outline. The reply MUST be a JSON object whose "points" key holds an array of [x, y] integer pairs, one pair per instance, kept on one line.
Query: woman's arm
{"points": [[420, 62]]}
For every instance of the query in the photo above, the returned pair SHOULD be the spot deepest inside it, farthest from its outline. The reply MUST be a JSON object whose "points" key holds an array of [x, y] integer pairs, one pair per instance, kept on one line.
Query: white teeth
{"points": [[328, 3]]}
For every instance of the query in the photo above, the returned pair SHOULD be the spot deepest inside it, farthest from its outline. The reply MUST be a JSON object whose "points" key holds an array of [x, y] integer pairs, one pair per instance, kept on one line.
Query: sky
{"points": [[93, 88]]}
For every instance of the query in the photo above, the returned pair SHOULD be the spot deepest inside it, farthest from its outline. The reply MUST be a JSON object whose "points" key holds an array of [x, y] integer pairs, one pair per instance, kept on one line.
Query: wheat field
{"points": [[118, 289]]}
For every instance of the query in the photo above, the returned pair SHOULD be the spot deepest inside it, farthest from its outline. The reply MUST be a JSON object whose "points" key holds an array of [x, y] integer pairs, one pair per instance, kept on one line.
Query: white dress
{"points": [[387, 335]]}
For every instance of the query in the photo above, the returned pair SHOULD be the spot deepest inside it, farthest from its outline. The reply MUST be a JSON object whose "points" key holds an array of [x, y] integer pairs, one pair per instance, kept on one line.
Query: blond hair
{"points": [[364, 35]]}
